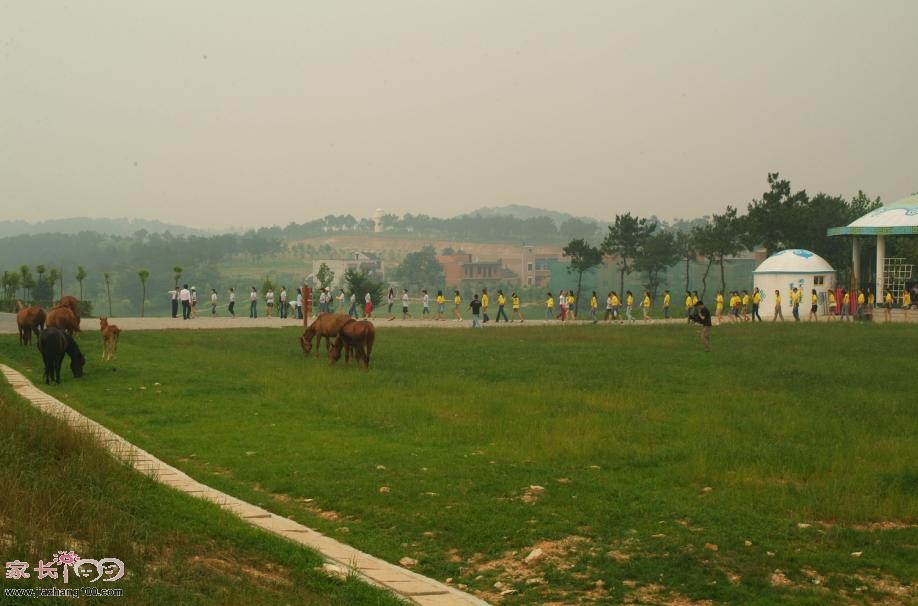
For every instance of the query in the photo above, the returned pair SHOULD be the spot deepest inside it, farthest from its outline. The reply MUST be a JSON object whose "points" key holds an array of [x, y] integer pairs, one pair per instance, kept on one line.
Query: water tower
{"points": [[378, 220]]}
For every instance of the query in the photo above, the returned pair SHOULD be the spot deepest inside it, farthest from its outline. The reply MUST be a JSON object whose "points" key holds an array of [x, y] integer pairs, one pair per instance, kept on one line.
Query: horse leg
{"points": [[115, 346]]}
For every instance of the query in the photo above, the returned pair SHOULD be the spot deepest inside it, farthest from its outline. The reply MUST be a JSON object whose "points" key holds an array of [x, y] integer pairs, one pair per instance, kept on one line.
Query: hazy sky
{"points": [[232, 113]]}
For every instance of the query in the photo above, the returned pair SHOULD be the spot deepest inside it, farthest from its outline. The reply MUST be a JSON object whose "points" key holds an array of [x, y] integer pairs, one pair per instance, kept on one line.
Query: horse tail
{"points": [[371, 335]]}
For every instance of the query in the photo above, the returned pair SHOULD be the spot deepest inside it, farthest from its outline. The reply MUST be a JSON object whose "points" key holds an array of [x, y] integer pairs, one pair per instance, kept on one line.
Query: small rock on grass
{"points": [[384, 490], [747, 543], [857, 554], [534, 556], [408, 562], [711, 546]]}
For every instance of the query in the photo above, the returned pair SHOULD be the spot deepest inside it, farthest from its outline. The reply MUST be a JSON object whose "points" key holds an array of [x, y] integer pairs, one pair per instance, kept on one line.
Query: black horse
{"points": [[53, 343]]}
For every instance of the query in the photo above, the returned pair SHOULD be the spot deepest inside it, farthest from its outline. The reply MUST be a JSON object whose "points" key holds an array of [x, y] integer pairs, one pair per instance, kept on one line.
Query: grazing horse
{"points": [[110, 335], [325, 325], [356, 336], [29, 319], [53, 343], [63, 318]]}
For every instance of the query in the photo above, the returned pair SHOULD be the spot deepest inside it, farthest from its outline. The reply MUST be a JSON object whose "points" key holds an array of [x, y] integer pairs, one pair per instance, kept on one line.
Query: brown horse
{"points": [[29, 319], [325, 325], [74, 304], [63, 318], [110, 335], [356, 336]]}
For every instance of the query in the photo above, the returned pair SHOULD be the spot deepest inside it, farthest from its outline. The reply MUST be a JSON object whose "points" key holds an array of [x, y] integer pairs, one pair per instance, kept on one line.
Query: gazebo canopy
{"points": [[897, 218]]}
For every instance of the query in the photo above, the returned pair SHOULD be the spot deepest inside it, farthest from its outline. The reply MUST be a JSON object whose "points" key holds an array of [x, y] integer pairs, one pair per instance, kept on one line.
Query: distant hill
{"points": [[116, 227], [521, 211]]}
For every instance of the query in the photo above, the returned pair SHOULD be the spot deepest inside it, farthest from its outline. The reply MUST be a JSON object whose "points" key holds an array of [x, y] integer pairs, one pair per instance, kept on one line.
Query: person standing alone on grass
{"points": [[501, 302], [475, 306], [457, 301], [515, 303], [253, 303], [778, 312], [703, 317], [213, 302], [390, 299], [185, 298], [173, 298], [484, 305], [283, 302], [232, 302], [405, 314], [666, 302]]}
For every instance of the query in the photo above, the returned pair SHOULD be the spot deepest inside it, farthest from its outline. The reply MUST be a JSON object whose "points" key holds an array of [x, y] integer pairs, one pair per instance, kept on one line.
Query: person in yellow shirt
{"points": [[795, 304], [515, 303], [778, 312], [719, 305], [814, 306], [666, 301], [887, 306], [846, 306], [594, 305], [441, 302], [550, 307], [645, 305], [745, 301], [457, 301], [616, 307], [484, 305], [833, 306], [501, 302], [736, 305], [906, 302], [756, 301], [570, 306], [688, 306], [629, 305], [861, 304]]}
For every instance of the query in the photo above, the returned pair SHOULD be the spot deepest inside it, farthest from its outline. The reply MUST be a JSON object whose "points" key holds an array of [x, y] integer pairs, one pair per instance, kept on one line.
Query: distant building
{"points": [[535, 268], [359, 261], [461, 271], [379, 225]]}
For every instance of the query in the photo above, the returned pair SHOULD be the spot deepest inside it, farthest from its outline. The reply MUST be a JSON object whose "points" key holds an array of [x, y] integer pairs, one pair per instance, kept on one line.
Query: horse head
{"points": [[77, 359], [306, 343]]}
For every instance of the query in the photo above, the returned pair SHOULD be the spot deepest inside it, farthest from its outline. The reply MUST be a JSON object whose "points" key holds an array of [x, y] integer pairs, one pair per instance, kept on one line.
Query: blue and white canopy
{"points": [[897, 218]]}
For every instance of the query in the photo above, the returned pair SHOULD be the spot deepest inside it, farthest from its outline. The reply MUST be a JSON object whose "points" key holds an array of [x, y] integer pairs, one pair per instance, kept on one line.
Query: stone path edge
{"points": [[415, 588]]}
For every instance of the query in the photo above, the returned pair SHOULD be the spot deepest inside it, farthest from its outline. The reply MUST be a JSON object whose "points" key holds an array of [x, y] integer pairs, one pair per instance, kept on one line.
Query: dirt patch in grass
{"points": [[657, 594], [270, 574]]}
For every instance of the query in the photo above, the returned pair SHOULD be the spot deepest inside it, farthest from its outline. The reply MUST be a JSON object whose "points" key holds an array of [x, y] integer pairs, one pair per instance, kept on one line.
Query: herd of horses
{"points": [[55, 330], [353, 337]]}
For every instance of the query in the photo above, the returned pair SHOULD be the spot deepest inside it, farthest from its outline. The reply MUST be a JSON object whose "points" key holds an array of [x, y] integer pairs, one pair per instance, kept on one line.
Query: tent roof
{"points": [[794, 261], [897, 218]]}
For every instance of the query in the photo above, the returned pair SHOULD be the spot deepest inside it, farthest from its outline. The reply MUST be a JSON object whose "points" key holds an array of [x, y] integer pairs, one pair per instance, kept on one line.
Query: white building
{"points": [[787, 269]]}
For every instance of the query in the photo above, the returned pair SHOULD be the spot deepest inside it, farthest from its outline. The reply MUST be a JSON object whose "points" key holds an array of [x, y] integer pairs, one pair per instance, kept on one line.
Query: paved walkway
{"points": [[415, 588]]}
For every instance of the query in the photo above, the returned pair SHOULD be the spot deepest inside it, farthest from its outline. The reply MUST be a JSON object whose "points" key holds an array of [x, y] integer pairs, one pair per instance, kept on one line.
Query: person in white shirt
{"points": [[367, 306], [299, 304], [185, 298], [339, 299], [323, 301], [405, 314], [194, 302], [269, 302], [232, 302], [283, 302], [213, 302], [173, 298], [425, 305], [253, 303], [353, 309]]}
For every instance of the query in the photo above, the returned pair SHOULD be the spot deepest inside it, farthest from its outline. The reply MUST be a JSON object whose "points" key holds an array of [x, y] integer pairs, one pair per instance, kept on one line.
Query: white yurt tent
{"points": [[787, 269]]}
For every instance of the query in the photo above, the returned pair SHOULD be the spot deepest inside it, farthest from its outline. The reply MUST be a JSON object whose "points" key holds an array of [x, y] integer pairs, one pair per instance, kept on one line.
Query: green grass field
{"points": [[60, 490], [643, 468]]}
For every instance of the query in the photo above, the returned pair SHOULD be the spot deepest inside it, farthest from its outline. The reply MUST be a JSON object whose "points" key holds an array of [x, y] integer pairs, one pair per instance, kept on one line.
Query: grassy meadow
{"points": [[60, 490], [780, 468]]}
